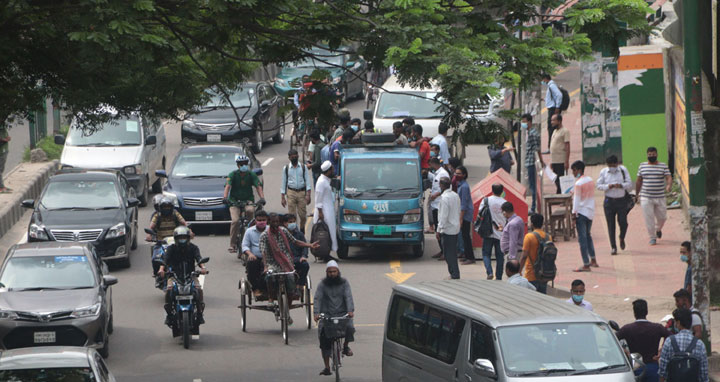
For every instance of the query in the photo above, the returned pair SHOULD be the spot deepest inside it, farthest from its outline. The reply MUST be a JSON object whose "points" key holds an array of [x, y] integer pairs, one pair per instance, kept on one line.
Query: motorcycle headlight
{"points": [[412, 216], [116, 231], [88, 311], [188, 124], [132, 170], [7, 315], [336, 80], [352, 216], [37, 231]]}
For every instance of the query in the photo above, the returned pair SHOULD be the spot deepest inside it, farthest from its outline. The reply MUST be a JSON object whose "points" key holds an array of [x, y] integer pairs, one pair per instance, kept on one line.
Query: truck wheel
{"points": [[343, 250], [418, 249]]}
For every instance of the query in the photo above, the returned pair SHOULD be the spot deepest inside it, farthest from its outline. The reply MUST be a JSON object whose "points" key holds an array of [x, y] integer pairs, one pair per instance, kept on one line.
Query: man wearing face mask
{"points": [[300, 254], [296, 185], [500, 157], [553, 100], [577, 289], [435, 193], [238, 191], [653, 181], [686, 257], [344, 122], [615, 181], [252, 254], [532, 147]]}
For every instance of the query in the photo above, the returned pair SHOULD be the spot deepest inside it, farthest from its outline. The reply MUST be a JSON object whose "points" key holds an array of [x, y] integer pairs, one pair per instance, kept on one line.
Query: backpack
{"points": [[545, 269], [683, 366], [565, 103], [321, 234], [286, 174], [484, 223]]}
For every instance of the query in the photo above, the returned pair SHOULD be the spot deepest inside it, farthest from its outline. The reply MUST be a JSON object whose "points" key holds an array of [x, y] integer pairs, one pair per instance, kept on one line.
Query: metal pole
{"points": [[695, 125]]}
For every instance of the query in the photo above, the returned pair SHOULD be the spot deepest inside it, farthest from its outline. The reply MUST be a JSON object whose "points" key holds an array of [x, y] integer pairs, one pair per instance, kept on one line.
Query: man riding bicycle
{"points": [[239, 192], [180, 258], [164, 223], [333, 297]]}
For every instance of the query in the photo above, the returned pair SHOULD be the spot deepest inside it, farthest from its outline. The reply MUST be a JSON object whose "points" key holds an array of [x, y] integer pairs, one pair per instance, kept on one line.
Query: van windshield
{"points": [[381, 178], [116, 132], [419, 105], [562, 349]]}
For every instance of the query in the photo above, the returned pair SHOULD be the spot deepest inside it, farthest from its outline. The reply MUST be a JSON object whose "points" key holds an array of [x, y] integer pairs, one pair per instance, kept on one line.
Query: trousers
{"points": [[466, 231], [550, 128], [587, 249], [235, 213], [297, 205], [532, 185], [449, 246], [615, 208], [559, 170], [655, 213], [490, 243]]}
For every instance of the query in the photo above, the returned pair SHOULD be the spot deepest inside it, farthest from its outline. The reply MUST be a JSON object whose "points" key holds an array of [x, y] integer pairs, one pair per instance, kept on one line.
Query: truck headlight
{"points": [[116, 231], [88, 311], [281, 83], [37, 231], [352, 216], [412, 216], [132, 170]]}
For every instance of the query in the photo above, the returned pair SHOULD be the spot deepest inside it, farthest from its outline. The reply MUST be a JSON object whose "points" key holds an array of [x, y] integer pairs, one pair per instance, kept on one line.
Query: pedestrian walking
{"points": [[531, 251], [494, 202], [583, 212], [512, 270], [441, 141], [435, 193], [577, 295], [653, 181], [683, 357], [512, 233], [559, 150], [615, 181], [295, 188], [467, 211], [325, 202], [500, 157], [4, 150], [553, 100], [686, 257], [532, 147], [643, 337], [448, 226]]}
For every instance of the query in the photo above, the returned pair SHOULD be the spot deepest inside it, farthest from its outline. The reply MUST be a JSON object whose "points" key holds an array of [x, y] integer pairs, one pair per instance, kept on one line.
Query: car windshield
{"points": [[48, 272], [419, 105], [94, 194], [208, 164], [64, 374], [321, 59], [576, 348], [242, 97], [116, 132], [375, 178]]}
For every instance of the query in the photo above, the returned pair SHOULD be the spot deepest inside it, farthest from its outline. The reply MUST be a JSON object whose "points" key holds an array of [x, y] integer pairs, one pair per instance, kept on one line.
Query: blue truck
{"points": [[380, 196]]}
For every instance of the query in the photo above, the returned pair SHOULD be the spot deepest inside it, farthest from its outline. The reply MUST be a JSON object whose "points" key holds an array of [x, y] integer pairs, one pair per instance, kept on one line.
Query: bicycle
{"points": [[334, 329], [245, 223]]}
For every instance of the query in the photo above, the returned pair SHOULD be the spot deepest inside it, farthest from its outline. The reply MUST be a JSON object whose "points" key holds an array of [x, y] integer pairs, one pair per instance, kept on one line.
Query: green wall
{"points": [[638, 133]]}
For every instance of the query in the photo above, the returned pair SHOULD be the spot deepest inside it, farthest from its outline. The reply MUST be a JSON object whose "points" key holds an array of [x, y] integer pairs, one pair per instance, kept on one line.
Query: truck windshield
{"points": [[563, 349], [381, 178], [420, 105]]}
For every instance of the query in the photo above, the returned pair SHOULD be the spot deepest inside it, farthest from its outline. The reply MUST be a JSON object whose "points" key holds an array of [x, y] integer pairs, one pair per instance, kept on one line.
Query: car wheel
{"points": [[111, 325], [280, 136], [346, 96], [135, 236], [145, 194], [257, 141], [125, 263], [105, 350]]}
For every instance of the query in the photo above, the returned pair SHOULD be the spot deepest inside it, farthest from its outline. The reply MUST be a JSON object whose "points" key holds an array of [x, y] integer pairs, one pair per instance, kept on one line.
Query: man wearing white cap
{"points": [[325, 202], [333, 297]]}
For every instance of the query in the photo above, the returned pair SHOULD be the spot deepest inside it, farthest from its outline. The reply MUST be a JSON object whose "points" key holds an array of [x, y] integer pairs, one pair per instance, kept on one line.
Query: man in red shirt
{"points": [[423, 148]]}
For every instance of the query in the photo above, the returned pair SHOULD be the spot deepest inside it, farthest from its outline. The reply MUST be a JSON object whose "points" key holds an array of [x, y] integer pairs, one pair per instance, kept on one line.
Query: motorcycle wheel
{"points": [[308, 307], [243, 309], [285, 314], [186, 329]]}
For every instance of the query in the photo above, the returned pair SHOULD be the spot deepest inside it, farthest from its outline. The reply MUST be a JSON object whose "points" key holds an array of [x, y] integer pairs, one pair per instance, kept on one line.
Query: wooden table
{"points": [[558, 200]]}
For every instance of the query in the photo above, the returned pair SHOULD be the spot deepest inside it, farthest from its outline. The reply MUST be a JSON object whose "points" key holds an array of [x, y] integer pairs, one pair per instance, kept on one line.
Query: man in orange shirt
{"points": [[423, 148], [530, 252]]}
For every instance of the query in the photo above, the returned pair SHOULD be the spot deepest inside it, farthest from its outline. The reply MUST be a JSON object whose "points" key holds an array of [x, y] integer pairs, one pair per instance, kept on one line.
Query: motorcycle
{"points": [[185, 309], [636, 361], [157, 252]]}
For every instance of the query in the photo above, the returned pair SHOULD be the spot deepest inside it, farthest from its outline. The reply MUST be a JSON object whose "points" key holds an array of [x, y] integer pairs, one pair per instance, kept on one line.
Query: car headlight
{"points": [[7, 315], [88, 311], [336, 80], [245, 124], [132, 170], [352, 216], [280, 82], [188, 124], [37, 231], [172, 197], [412, 216], [116, 231]]}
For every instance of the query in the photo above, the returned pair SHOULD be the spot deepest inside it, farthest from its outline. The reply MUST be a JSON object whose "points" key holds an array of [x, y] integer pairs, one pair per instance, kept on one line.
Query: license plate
{"points": [[203, 215], [382, 230], [44, 337], [214, 137], [183, 298]]}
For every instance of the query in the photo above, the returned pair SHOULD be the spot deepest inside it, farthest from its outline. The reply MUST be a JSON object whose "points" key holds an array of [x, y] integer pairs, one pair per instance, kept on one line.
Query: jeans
{"points": [[532, 185], [559, 170], [615, 207], [466, 231], [490, 243], [435, 220], [302, 268], [540, 286], [651, 372], [584, 225], [449, 246]]}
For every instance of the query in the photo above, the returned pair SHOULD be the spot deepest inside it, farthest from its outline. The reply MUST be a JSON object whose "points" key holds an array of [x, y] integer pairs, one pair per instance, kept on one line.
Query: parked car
{"points": [[54, 363], [197, 179], [259, 108], [97, 207], [347, 71], [132, 144], [55, 294]]}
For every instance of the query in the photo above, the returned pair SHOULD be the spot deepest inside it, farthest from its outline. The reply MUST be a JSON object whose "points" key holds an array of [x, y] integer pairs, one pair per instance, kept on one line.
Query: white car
{"points": [[132, 144], [54, 363]]}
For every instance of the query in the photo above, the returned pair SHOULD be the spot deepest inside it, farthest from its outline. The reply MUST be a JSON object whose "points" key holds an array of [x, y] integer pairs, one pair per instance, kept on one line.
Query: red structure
{"points": [[514, 193]]}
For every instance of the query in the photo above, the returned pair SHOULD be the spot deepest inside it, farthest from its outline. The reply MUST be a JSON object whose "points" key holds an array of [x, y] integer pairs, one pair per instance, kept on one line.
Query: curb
{"points": [[13, 211]]}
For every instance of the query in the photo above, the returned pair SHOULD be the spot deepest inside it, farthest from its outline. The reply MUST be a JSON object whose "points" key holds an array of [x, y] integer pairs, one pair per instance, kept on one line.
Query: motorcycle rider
{"points": [[334, 298], [239, 189], [164, 223], [181, 258]]}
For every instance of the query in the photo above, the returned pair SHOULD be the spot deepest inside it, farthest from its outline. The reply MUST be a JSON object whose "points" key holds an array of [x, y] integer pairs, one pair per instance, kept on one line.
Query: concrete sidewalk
{"points": [[27, 181]]}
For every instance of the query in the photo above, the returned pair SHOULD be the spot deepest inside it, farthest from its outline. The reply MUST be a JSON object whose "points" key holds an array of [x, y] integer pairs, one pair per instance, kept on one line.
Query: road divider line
{"points": [[267, 161]]}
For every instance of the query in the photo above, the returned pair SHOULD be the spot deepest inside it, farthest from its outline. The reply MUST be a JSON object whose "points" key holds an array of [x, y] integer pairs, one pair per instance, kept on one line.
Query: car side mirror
{"points": [[161, 173], [350, 64], [151, 140], [427, 184], [368, 115], [485, 368], [258, 171], [133, 202], [59, 139], [265, 104], [109, 280], [204, 260], [614, 325], [28, 203], [335, 183]]}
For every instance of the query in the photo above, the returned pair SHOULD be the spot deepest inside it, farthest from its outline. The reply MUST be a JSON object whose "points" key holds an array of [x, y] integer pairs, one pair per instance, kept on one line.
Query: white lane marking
{"points": [[195, 337], [201, 278], [267, 161], [23, 239], [197, 380]]}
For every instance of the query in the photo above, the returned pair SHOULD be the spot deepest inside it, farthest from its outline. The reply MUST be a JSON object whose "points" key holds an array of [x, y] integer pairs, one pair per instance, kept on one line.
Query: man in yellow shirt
{"points": [[559, 149], [530, 252]]}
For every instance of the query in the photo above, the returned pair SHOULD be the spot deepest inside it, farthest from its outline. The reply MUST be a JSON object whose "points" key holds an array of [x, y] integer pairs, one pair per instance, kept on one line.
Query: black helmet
{"points": [[181, 235]]}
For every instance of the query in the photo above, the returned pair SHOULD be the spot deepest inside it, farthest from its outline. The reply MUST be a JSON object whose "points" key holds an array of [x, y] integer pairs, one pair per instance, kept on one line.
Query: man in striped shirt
{"points": [[653, 181]]}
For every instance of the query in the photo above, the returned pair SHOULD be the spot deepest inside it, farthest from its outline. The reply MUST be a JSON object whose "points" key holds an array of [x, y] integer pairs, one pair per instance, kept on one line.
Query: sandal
{"points": [[326, 371], [347, 352], [582, 269]]}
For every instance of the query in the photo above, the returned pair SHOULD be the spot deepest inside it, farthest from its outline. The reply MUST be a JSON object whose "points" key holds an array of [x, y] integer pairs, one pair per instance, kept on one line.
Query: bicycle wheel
{"points": [[336, 359], [308, 307], [243, 306], [284, 315]]}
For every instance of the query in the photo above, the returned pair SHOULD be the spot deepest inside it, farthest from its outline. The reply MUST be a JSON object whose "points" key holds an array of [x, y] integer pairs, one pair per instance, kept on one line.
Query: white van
{"points": [[132, 144]]}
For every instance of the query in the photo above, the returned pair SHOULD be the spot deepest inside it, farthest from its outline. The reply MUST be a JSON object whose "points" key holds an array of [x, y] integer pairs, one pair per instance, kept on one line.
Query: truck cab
{"points": [[380, 196]]}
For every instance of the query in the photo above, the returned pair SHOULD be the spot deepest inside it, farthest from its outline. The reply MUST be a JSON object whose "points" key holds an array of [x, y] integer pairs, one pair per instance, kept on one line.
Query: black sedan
{"points": [[97, 206], [197, 180], [257, 117]]}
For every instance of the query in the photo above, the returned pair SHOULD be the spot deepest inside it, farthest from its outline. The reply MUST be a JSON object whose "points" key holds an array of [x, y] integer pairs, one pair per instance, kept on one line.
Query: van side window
{"points": [[428, 330], [481, 344]]}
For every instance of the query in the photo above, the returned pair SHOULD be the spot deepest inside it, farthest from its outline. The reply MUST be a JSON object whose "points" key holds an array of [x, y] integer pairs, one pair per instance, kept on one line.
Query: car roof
{"points": [[496, 303], [379, 152], [50, 248], [45, 357], [80, 174], [393, 84]]}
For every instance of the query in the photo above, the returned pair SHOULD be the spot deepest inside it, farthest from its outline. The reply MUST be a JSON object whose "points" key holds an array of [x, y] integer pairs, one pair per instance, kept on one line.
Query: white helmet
{"points": [[241, 158], [156, 201]]}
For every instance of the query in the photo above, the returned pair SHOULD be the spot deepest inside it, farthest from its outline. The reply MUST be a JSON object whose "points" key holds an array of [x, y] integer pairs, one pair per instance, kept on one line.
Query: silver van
{"points": [[469, 331]]}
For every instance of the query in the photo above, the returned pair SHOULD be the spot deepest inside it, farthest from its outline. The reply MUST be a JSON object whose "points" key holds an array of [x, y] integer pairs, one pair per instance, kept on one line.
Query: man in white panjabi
{"points": [[325, 202]]}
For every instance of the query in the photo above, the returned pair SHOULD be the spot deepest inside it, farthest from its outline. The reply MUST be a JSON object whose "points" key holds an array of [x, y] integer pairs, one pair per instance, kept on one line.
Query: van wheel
{"points": [[419, 249], [343, 250]]}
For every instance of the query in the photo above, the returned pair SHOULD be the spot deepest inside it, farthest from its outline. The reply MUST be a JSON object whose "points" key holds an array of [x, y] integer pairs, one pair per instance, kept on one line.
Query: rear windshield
{"points": [[381, 178], [64, 374], [420, 105]]}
